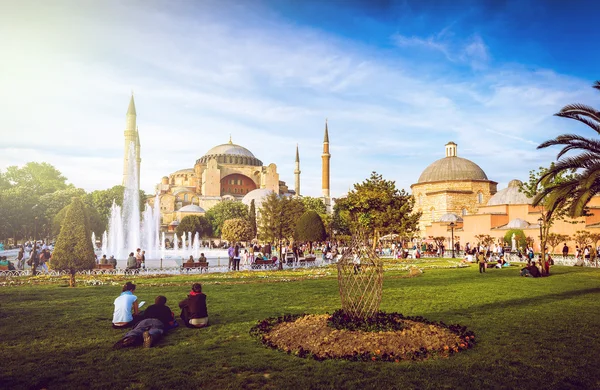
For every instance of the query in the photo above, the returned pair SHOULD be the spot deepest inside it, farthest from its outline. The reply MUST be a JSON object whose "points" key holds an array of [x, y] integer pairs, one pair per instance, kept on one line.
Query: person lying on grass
{"points": [[157, 319], [193, 309], [126, 312]]}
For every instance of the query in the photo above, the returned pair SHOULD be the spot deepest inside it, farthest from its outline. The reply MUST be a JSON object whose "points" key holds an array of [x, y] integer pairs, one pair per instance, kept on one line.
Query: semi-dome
{"points": [[450, 217], [191, 208], [258, 195], [230, 153], [452, 167], [510, 195]]}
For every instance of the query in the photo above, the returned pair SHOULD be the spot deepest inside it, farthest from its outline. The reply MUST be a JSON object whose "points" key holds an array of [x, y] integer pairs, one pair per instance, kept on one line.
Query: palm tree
{"points": [[573, 194]]}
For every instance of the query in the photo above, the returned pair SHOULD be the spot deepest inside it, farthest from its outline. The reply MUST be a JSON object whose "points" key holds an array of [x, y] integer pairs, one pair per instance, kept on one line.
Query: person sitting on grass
{"points": [[193, 309], [157, 318], [531, 270], [126, 308]]}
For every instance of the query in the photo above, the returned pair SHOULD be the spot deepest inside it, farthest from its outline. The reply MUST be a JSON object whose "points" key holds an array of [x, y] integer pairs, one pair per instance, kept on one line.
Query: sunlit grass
{"points": [[531, 333]]}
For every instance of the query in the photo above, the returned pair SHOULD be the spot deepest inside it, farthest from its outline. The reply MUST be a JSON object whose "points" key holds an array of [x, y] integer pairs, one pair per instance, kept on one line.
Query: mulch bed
{"points": [[311, 336]]}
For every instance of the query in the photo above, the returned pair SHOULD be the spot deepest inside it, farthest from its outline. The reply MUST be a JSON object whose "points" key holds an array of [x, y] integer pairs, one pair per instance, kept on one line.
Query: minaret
{"points": [[131, 135], [297, 173], [325, 174]]}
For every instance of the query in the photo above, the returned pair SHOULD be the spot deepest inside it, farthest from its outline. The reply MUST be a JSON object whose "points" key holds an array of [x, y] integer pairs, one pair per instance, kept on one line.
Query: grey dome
{"points": [[258, 195], [517, 223], [450, 217], [510, 195], [230, 153], [452, 168], [191, 208]]}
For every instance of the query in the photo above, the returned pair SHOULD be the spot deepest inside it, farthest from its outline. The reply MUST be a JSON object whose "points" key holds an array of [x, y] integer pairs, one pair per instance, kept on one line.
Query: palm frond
{"points": [[573, 110], [596, 85]]}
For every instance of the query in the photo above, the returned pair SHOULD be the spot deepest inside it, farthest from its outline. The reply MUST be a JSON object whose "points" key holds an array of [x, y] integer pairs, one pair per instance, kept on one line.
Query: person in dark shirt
{"points": [[156, 319], [193, 309]]}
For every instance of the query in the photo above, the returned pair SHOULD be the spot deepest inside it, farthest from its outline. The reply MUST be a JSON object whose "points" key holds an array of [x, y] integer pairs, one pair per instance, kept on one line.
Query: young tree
{"points": [[223, 211], [583, 238], [310, 228], [554, 239], [74, 251], [485, 239], [195, 224], [376, 207], [236, 230], [252, 218], [439, 240]]}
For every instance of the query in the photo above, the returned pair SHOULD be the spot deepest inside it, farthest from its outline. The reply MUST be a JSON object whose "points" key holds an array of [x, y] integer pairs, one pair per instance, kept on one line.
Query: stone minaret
{"points": [[326, 157], [297, 173], [131, 135]]}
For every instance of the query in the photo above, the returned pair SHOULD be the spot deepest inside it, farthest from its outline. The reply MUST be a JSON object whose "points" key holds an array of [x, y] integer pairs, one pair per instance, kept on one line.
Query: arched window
{"points": [[480, 197], [464, 212], [432, 215], [185, 197]]}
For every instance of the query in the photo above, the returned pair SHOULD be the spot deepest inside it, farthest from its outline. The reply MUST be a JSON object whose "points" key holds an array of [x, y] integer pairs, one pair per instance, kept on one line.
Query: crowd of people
{"points": [[148, 326]]}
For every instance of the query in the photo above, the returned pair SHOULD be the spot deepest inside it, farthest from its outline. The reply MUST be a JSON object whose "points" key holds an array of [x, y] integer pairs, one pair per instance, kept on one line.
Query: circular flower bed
{"points": [[385, 337]]}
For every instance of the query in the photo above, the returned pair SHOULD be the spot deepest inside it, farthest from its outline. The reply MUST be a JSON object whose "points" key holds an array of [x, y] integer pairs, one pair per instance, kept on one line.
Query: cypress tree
{"points": [[310, 228], [74, 251], [252, 218]]}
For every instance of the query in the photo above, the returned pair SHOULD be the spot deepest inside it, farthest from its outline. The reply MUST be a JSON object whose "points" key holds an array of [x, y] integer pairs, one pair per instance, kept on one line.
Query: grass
{"points": [[531, 333]]}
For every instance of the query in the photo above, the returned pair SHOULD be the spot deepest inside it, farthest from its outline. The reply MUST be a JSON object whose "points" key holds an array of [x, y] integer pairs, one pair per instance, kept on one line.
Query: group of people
{"points": [[149, 326]]}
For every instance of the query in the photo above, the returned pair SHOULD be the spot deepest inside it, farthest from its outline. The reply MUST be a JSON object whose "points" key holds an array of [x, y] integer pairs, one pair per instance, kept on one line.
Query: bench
{"points": [[266, 263], [203, 266], [3, 267], [308, 260], [105, 266]]}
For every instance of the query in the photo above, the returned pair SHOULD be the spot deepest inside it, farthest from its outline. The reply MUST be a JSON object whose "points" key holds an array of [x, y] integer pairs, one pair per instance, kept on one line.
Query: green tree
{"points": [[102, 201], [583, 238], [223, 211], [484, 239], [73, 251], [554, 239], [95, 222], [340, 222], [37, 178], [252, 218], [376, 207], [314, 204], [236, 230], [51, 204], [195, 224], [310, 228], [278, 216], [583, 182], [519, 238]]}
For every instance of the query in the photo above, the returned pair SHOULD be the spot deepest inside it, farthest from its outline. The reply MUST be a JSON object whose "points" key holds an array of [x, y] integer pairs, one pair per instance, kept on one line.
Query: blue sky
{"points": [[396, 79]]}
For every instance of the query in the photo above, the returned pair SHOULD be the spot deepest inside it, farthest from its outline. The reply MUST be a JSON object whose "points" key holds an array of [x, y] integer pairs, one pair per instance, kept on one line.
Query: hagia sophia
{"points": [[225, 172], [456, 190], [452, 190]]}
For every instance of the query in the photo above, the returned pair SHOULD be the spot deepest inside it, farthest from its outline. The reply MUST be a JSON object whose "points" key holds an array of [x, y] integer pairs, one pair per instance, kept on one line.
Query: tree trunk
{"points": [[72, 279]]}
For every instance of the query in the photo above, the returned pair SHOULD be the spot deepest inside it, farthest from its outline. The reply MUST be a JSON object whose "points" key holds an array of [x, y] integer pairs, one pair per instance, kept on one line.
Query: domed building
{"points": [[451, 185], [225, 172]]}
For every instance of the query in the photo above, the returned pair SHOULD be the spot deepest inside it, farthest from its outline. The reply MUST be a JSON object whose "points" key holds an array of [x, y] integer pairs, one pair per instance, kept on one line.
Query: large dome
{"points": [[258, 195], [510, 195], [230, 153], [452, 167]]}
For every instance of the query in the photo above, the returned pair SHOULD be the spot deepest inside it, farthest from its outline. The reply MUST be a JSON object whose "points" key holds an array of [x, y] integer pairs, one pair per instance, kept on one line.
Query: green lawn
{"points": [[531, 333]]}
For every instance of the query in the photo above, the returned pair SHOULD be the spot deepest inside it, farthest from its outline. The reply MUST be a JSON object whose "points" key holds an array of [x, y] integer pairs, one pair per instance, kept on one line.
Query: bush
{"points": [[236, 230], [310, 227], [519, 236]]}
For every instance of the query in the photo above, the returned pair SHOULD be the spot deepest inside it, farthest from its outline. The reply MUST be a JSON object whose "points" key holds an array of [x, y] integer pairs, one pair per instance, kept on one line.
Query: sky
{"points": [[396, 81]]}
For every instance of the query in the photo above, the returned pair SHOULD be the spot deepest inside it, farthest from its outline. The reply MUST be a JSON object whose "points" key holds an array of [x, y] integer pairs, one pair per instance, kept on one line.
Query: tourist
{"points": [[131, 262], [202, 258], [112, 261], [236, 258], [103, 260], [251, 254], [578, 258], [481, 261], [230, 253], [193, 309], [586, 253], [565, 251], [126, 307], [21, 259], [189, 262], [157, 318], [143, 259], [138, 258], [245, 257]]}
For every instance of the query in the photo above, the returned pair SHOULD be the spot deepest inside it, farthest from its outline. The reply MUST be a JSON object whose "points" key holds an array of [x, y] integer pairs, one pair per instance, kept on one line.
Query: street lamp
{"points": [[452, 238], [542, 257]]}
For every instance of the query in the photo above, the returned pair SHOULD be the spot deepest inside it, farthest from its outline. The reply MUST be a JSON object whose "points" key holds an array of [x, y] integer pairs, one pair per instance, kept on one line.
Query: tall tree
{"points": [[102, 201], [223, 211], [574, 193], [252, 218], [376, 207], [278, 216], [74, 251], [236, 230], [37, 178], [195, 224], [310, 228]]}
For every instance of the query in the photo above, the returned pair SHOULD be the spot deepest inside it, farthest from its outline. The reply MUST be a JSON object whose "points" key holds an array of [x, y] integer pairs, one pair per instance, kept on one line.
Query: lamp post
{"points": [[452, 238], [541, 221]]}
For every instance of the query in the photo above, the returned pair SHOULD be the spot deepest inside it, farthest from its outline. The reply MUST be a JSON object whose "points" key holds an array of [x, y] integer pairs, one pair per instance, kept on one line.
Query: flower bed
{"points": [[387, 337]]}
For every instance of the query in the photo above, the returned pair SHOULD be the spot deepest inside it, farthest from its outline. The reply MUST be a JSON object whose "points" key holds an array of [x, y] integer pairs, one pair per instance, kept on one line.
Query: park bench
{"points": [[105, 266], [308, 260], [258, 263], [3, 267], [202, 265]]}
